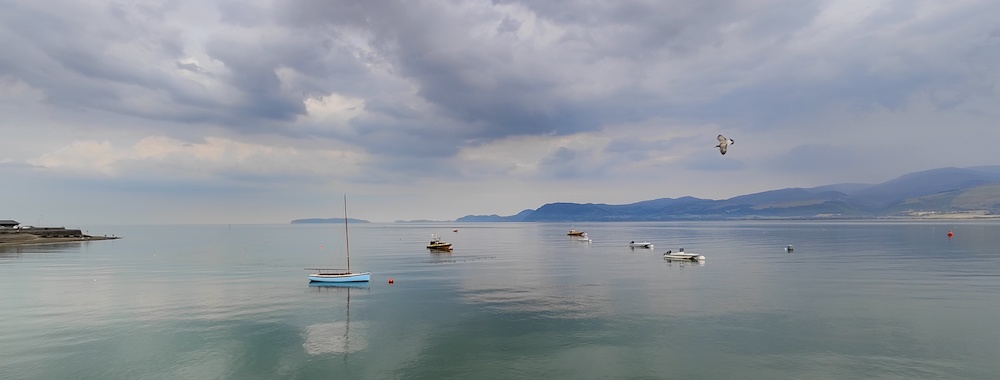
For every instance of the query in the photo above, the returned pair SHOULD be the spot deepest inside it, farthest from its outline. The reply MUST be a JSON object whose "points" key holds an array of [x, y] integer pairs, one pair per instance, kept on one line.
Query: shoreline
{"points": [[30, 239]]}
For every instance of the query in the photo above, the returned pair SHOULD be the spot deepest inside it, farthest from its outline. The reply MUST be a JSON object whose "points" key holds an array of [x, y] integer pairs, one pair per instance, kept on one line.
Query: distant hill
{"points": [[919, 184], [328, 220], [945, 190], [519, 217]]}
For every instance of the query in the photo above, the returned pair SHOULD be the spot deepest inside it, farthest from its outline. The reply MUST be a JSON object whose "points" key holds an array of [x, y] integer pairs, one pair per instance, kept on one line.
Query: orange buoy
{"points": [[390, 280], [951, 234]]}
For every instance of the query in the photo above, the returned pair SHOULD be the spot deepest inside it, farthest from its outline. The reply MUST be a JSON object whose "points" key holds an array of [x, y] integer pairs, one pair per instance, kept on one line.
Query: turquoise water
{"points": [[873, 300]]}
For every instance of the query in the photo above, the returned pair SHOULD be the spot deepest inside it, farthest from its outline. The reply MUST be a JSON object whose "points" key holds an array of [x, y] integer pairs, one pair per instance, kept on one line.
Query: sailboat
{"points": [[341, 275]]}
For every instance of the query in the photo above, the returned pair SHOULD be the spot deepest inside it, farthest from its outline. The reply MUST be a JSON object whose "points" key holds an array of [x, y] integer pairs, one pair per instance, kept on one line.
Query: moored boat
{"points": [[335, 276], [640, 244], [341, 275], [437, 244], [682, 256], [575, 233]]}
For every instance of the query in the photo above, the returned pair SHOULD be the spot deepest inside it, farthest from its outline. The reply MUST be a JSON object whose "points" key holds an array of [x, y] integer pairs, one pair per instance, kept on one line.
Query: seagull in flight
{"points": [[724, 144]]}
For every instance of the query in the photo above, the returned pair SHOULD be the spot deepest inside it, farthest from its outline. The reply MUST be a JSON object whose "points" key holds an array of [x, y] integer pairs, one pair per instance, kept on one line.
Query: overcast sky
{"points": [[251, 111]]}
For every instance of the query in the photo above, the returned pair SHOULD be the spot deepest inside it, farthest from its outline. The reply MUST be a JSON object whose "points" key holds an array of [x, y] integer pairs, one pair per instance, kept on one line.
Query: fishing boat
{"points": [[437, 244], [340, 275], [575, 233], [682, 256], [640, 244]]}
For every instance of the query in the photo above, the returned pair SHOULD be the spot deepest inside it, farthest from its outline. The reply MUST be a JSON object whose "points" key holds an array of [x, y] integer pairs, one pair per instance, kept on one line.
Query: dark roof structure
{"points": [[8, 223]]}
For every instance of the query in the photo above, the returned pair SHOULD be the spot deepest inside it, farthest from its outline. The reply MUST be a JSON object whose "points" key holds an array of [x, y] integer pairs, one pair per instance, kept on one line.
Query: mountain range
{"points": [[972, 191], [327, 220]]}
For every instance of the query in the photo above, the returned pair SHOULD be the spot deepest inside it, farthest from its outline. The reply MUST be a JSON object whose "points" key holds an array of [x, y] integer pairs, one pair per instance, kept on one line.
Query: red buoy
{"points": [[390, 280], [951, 234]]}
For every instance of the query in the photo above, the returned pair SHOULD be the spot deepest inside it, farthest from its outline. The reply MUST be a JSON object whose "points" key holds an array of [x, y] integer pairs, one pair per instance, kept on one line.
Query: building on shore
{"points": [[10, 227]]}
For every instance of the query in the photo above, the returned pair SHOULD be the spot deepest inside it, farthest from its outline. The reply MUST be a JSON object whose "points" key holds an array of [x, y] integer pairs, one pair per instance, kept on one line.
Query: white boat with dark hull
{"points": [[340, 275], [682, 256], [437, 245], [640, 244]]}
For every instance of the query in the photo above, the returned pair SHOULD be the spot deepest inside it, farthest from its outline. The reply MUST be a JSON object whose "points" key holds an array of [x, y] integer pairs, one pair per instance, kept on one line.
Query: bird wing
{"points": [[722, 139]]}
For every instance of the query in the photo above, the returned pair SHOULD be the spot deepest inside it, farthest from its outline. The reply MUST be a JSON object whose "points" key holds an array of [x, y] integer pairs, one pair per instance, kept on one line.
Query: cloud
{"points": [[398, 94], [214, 159]]}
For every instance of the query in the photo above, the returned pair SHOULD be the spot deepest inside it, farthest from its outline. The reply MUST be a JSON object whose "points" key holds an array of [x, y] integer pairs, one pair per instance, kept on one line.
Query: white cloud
{"points": [[212, 159]]}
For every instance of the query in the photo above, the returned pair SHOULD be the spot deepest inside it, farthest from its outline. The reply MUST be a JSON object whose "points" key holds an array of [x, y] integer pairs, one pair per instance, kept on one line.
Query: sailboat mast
{"points": [[347, 236]]}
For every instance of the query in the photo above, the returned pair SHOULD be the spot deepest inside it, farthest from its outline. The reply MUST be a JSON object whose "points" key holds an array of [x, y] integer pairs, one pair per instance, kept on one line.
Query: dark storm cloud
{"points": [[92, 70], [474, 81], [77, 69], [455, 74], [252, 70], [497, 87], [563, 163]]}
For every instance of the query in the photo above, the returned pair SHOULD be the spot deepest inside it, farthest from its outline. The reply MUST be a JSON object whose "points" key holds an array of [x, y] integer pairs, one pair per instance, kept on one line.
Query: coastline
{"points": [[7, 240]]}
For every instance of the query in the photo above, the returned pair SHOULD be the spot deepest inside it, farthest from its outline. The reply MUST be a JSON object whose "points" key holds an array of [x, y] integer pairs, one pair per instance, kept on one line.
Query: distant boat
{"points": [[340, 275], [437, 244], [682, 256], [640, 244], [575, 233]]}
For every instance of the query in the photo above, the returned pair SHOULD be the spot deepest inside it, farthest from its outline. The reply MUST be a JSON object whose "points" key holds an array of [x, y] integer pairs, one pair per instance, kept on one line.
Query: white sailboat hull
{"points": [[340, 277]]}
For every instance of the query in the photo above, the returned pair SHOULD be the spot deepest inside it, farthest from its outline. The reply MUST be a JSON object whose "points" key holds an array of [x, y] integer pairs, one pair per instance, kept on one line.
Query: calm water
{"points": [[872, 300]]}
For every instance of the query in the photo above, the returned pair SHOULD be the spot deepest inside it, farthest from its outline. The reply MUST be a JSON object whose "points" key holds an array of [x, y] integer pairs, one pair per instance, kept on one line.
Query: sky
{"points": [[257, 111]]}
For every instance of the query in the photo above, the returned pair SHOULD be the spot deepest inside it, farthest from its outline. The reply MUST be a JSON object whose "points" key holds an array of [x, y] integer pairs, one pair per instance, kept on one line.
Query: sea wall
{"points": [[44, 232]]}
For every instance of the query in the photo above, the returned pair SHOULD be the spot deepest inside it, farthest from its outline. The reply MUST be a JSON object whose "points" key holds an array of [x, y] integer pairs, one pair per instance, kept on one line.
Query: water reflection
{"points": [[685, 263], [16, 251], [335, 337], [333, 286]]}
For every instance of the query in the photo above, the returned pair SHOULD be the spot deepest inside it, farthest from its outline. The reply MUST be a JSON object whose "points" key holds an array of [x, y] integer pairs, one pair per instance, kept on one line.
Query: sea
{"points": [[881, 299]]}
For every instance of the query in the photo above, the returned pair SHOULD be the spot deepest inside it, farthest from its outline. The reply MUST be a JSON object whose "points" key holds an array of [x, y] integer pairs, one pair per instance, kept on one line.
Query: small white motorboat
{"points": [[640, 244], [680, 255]]}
